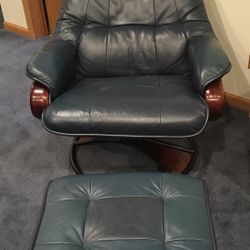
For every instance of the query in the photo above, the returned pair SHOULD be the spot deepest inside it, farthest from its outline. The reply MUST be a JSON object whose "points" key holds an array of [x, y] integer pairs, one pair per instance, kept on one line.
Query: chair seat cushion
{"points": [[142, 211], [146, 106]]}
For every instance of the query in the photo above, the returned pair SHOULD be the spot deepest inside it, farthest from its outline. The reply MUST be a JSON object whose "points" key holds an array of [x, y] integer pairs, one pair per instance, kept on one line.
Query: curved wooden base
{"points": [[39, 99], [214, 96], [169, 157], [173, 158]]}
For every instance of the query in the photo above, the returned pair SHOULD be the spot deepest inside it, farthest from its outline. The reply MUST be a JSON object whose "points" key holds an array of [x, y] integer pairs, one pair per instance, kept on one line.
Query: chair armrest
{"points": [[54, 66], [207, 61], [39, 99]]}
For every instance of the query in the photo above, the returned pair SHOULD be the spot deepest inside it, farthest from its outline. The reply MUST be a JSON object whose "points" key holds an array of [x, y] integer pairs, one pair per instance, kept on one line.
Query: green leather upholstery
{"points": [[154, 58], [150, 211], [85, 96], [57, 58]]}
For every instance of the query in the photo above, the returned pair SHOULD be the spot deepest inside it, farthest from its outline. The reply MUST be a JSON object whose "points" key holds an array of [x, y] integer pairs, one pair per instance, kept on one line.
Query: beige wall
{"points": [[13, 12], [231, 22]]}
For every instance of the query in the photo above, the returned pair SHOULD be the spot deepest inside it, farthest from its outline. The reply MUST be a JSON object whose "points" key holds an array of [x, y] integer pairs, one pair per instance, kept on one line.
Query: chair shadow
{"points": [[212, 141], [107, 157]]}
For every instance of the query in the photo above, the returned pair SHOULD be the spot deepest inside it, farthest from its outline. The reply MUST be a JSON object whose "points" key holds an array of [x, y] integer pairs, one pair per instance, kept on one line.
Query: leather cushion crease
{"points": [[133, 106], [126, 211], [108, 50]]}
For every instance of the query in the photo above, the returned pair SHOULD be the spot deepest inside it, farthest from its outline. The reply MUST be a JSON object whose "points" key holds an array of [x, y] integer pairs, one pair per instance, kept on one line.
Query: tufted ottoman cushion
{"points": [[145, 211]]}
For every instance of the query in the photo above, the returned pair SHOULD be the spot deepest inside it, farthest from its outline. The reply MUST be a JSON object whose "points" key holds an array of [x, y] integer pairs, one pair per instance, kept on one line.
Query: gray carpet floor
{"points": [[30, 157]]}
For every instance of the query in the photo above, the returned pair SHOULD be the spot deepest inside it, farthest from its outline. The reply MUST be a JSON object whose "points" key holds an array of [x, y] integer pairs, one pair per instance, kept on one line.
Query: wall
{"points": [[231, 20], [13, 12]]}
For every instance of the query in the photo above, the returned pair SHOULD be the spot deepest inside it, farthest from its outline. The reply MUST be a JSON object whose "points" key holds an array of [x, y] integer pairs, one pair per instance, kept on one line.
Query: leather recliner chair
{"points": [[144, 69]]}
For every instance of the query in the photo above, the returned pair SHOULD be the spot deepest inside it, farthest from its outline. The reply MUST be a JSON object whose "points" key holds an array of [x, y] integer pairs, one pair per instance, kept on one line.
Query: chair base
{"points": [[169, 157]]}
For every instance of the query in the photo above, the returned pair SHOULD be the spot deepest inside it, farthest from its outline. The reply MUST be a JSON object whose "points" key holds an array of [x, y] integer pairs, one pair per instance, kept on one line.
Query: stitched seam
{"points": [[135, 24], [177, 13], [85, 217], [156, 54], [80, 37], [128, 239], [207, 34], [163, 211], [126, 197], [188, 196], [154, 9], [84, 23], [86, 14], [58, 243], [210, 219], [105, 69], [42, 211], [90, 184], [105, 66], [186, 239], [183, 31]]}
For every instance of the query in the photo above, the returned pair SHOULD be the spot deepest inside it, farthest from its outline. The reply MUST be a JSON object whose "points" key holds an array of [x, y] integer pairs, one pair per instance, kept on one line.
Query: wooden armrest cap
{"points": [[39, 99], [214, 96]]}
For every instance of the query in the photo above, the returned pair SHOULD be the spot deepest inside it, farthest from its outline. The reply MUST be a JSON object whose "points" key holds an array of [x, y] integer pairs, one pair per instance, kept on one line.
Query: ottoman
{"points": [[137, 211]]}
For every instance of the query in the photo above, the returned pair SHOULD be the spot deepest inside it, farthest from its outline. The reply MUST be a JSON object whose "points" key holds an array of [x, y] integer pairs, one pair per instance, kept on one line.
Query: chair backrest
{"points": [[132, 37]]}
